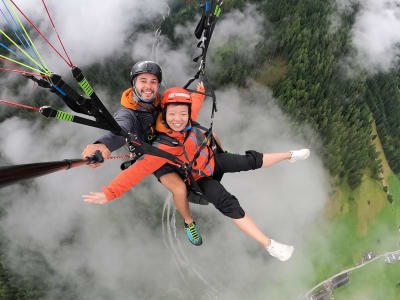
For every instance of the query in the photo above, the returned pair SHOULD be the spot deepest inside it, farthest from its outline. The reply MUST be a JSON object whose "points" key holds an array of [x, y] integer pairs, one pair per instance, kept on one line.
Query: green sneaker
{"points": [[193, 234]]}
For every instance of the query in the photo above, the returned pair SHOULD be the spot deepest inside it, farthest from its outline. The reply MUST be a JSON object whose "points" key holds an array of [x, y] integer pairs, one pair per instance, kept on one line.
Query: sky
{"points": [[119, 250]]}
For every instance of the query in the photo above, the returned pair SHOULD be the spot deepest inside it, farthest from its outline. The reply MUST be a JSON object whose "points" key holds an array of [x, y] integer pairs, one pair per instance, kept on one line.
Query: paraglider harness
{"points": [[195, 194]]}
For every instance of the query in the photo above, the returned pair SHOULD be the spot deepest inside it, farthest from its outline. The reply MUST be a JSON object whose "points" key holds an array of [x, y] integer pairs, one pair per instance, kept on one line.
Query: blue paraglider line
{"points": [[26, 45], [12, 26], [16, 54]]}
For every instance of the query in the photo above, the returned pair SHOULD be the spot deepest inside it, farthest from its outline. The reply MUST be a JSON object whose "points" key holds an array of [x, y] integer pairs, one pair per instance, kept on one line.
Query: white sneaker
{"points": [[301, 154], [280, 251]]}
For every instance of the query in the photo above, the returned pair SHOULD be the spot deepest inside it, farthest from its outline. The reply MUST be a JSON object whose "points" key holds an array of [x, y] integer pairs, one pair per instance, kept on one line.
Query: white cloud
{"points": [[90, 30], [375, 35]]}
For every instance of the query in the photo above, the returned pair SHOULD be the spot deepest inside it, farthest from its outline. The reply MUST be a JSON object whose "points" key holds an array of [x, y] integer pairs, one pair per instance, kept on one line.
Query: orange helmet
{"points": [[176, 95]]}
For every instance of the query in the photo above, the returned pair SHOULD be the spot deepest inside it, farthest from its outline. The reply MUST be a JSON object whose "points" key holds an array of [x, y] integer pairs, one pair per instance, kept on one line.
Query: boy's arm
{"points": [[128, 178], [197, 101]]}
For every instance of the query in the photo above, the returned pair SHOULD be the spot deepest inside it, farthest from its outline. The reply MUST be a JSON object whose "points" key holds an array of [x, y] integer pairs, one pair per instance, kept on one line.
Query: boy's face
{"points": [[147, 85], [177, 116]]}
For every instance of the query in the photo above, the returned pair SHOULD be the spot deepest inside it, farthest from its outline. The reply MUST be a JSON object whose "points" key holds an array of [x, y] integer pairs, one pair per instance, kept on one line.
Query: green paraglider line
{"points": [[47, 72], [18, 70], [24, 65], [18, 31], [26, 33]]}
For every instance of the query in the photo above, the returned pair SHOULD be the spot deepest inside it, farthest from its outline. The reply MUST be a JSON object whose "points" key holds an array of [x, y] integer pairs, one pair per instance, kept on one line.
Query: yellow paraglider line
{"points": [[25, 65], [45, 71], [30, 40]]}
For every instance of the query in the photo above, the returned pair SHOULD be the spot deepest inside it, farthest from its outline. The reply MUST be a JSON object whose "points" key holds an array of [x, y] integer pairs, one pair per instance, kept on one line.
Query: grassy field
{"points": [[360, 221], [394, 190], [275, 69], [355, 229], [387, 171]]}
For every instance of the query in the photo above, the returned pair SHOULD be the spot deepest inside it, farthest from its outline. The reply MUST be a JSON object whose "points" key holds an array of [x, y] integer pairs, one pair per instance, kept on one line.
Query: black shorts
{"points": [[216, 193], [232, 163], [211, 187], [165, 169]]}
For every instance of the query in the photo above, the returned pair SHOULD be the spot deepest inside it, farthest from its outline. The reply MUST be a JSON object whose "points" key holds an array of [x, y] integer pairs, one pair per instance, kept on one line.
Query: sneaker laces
{"points": [[193, 230]]}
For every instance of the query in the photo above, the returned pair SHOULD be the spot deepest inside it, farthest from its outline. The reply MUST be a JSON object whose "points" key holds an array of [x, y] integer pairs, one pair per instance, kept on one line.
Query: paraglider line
{"points": [[26, 45], [27, 35], [16, 54], [24, 72], [22, 64], [55, 30], [20, 49], [20, 105], [41, 34], [18, 70], [12, 27], [61, 91]]}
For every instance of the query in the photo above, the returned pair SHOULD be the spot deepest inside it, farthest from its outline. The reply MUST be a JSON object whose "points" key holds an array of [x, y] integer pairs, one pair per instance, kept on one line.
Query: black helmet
{"points": [[146, 67]]}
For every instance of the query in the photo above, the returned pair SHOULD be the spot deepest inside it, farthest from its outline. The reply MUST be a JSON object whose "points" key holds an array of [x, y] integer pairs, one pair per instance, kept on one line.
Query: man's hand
{"points": [[200, 86], [92, 148], [95, 197]]}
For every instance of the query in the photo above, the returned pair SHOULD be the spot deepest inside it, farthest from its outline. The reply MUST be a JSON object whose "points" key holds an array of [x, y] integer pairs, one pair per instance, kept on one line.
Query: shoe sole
{"points": [[197, 244], [291, 254]]}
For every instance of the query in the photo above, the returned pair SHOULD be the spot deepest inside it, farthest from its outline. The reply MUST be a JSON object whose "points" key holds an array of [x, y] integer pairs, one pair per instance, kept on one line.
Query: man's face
{"points": [[147, 85]]}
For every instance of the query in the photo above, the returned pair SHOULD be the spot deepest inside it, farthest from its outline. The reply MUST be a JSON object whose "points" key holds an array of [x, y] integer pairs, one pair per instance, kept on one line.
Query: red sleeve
{"points": [[197, 102], [128, 178]]}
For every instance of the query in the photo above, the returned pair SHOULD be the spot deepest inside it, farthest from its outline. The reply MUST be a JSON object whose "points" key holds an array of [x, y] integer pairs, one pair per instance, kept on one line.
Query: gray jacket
{"points": [[136, 122]]}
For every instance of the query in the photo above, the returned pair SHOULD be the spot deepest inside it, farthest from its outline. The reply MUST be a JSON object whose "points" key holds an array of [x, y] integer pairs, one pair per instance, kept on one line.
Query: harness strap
{"points": [[140, 148], [189, 170], [148, 132], [204, 30]]}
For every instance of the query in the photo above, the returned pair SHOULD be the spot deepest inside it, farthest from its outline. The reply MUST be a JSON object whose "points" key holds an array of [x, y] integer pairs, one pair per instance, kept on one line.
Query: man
{"points": [[138, 114]]}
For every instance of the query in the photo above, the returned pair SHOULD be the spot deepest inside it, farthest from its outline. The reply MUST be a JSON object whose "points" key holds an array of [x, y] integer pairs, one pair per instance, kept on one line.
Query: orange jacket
{"points": [[148, 164], [128, 102]]}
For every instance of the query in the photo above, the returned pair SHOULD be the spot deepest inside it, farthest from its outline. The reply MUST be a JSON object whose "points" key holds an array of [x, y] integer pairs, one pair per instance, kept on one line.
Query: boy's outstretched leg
{"points": [[252, 160], [280, 251], [174, 183], [270, 159], [301, 154]]}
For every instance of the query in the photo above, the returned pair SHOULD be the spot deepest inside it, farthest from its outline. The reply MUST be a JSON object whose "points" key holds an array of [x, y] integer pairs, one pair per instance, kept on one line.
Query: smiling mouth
{"points": [[147, 93]]}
